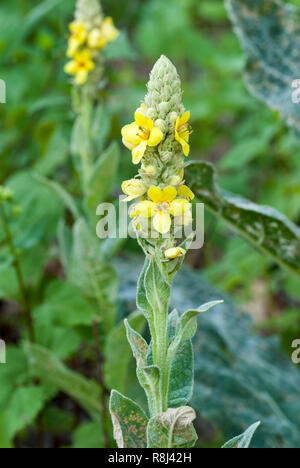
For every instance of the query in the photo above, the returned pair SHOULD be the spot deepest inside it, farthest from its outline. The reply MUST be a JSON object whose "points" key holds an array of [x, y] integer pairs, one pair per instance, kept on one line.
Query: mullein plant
{"points": [[159, 140], [89, 34]]}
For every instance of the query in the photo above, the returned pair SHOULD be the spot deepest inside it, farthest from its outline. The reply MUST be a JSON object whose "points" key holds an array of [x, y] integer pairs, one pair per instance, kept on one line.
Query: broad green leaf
{"points": [[188, 320], [92, 275], [88, 435], [79, 143], [240, 376], [148, 376], [60, 191], [118, 354], [65, 305], [243, 440], [138, 345], [149, 379], [13, 374], [102, 179], [267, 229], [24, 406], [181, 384], [5, 440], [64, 237], [158, 291], [172, 429], [101, 126], [269, 33], [141, 298], [47, 367], [129, 422]]}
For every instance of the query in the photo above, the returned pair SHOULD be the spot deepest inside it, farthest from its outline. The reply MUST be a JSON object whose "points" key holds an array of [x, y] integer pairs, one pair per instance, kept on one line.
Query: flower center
{"points": [[185, 129], [144, 133], [163, 207]]}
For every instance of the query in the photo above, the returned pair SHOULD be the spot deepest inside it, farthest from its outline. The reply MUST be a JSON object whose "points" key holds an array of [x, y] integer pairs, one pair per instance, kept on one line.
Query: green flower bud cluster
{"points": [[89, 12], [164, 106]]}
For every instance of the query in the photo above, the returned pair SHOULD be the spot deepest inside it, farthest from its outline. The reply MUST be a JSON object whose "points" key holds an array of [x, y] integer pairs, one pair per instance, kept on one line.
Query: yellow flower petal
{"points": [[175, 252], [155, 137], [130, 134], [128, 145], [146, 209], [143, 121], [184, 118], [155, 194], [96, 40], [134, 188], [179, 207], [71, 67], [169, 194], [109, 31], [81, 77], [185, 145], [162, 222], [185, 192], [138, 152]]}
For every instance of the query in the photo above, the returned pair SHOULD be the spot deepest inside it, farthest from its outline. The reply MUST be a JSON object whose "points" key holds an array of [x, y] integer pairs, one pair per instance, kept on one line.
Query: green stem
{"points": [[161, 345], [19, 275], [86, 108]]}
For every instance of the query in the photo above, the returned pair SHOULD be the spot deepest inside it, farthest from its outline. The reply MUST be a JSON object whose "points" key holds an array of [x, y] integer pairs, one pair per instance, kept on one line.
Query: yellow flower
{"points": [[77, 38], [140, 134], [183, 131], [162, 206], [185, 192], [174, 252], [108, 29], [134, 188], [100, 37], [96, 40], [80, 66]]}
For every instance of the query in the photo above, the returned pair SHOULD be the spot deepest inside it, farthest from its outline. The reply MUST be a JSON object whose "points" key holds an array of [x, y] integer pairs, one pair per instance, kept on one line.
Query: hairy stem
{"points": [[161, 342]]}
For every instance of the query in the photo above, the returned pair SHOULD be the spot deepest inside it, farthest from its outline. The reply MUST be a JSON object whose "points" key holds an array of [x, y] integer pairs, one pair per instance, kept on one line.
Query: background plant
{"points": [[256, 156]]}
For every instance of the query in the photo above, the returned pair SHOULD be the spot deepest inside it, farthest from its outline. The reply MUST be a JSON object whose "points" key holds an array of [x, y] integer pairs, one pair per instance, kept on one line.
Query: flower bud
{"points": [[174, 252], [134, 188]]}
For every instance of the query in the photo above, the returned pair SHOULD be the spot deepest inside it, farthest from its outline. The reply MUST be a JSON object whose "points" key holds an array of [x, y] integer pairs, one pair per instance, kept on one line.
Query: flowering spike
{"points": [[90, 32], [89, 11], [164, 91]]}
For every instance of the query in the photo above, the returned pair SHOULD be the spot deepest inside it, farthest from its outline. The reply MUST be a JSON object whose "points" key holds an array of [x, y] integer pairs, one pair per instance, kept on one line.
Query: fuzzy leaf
{"points": [[243, 440], [158, 291], [129, 421], [51, 370], [242, 376], [266, 228], [182, 376], [188, 320], [118, 354], [89, 272], [141, 299], [172, 429], [102, 179], [269, 33], [148, 376], [138, 345]]}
